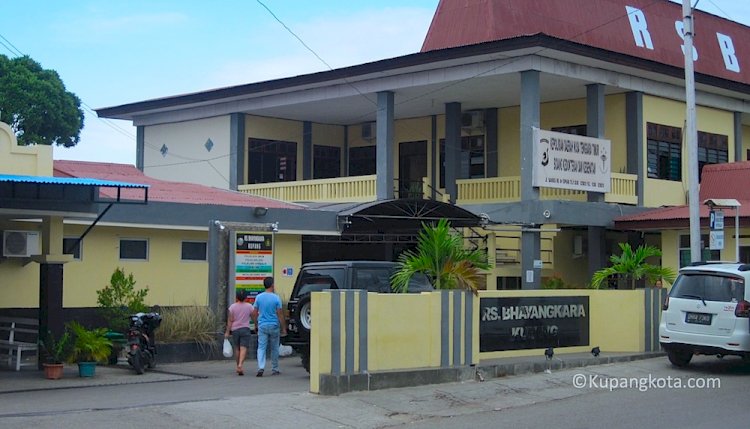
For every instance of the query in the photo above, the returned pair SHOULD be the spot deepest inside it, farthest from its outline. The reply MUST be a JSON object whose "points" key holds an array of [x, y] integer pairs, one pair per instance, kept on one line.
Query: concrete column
{"points": [[307, 151], [596, 252], [491, 157], [236, 150], [634, 136], [50, 302], [140, 145], [738, 149], [434, 153], [384, 149], [345, 155], [595, 123], [452, 148], [530, 118]]}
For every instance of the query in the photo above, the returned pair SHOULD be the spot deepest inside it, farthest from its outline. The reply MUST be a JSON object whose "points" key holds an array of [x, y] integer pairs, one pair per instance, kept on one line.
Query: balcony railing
{"points": [[470, 191], [341, 189]]}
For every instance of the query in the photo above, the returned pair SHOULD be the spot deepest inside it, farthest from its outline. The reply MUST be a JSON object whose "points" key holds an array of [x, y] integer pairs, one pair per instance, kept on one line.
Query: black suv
{"points": [[373, 276]]}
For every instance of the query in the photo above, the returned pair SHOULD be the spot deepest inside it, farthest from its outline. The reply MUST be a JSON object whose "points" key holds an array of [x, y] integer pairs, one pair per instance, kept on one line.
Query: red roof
{"points": [[718, 181], [163, 190], [604, 24]]}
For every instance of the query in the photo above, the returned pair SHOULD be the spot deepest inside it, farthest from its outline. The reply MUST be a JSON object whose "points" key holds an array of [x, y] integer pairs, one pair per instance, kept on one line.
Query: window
{"points": [[194, 251], [471, 158], [362, 161], [578, 130], [709, 287], [706, 253], [134, 249], [272, 161], [712, 149], [71, 246], [327, 162], [664, 147]]}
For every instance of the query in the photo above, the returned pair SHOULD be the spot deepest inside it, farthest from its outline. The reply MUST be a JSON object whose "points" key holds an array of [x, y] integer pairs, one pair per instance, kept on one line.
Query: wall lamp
{"points": [[260, 211], [219, 225]]}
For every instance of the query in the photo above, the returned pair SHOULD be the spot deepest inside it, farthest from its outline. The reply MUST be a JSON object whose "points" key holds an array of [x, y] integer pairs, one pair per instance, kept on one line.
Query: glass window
{"points": [[194, 251], [471, 158], [71, 246], [706, 253], [664, 152], [578, 130], [362, 161], [327, 162], [272, 161], [712, 149], [313, 280], [372, 279], [134, 249], [709, 287]]}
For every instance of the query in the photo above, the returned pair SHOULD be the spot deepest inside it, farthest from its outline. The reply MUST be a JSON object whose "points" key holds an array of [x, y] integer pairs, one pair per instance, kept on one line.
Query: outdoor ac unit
{"points": [[368, 131], [472, 119], [20, 244]]}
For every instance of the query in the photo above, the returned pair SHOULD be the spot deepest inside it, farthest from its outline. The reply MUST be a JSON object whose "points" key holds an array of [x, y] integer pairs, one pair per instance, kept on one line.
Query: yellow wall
{"points": [[33, 160], [287, 253], [662, 111], [185, 142]]}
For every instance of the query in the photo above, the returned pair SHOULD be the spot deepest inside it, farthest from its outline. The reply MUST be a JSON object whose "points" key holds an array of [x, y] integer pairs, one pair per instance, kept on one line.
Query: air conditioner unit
{"points": [[369, 131], [20, 244], [472, 119]]}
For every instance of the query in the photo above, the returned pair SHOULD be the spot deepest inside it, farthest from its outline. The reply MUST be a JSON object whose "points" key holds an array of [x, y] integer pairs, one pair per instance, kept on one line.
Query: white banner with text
{"points": [[569, 161]]}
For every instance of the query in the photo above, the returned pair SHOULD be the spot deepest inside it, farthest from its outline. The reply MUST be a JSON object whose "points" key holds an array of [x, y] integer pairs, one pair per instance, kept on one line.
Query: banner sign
{"points": [[569, 161], [533, 322], [253, 262]]}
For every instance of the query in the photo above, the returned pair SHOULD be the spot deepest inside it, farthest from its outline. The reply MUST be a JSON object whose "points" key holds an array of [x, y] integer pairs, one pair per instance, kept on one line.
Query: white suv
{"points": [[707, 312]]}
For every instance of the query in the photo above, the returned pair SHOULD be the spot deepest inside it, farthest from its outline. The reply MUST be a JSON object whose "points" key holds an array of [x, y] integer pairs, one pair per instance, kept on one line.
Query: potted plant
{"points": [[56, 351], [89, 347]]}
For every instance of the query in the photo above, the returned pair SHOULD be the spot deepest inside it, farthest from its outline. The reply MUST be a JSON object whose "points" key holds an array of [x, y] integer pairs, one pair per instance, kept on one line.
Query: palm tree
{"points": [[632, 264], [441, 256]]}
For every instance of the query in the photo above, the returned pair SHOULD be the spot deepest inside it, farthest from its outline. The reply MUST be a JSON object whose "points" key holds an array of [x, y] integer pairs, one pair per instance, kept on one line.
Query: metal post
{"points": [[691, 135], [737, 232]]}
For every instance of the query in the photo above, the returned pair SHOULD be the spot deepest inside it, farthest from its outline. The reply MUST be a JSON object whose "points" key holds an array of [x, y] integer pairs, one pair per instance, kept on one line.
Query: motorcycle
{"points": [[141, 342]]}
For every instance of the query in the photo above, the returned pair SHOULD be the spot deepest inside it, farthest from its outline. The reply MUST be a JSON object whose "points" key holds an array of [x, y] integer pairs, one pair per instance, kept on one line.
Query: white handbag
{"points": [[228, 351]]}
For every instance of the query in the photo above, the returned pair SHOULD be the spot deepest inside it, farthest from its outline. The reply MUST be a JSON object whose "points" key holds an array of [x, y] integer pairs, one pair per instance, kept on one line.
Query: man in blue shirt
{"points": [[270, 326]]}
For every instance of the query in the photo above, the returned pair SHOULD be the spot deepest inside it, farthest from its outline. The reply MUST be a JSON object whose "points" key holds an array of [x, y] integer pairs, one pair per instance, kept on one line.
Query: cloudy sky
{"points": [[115, 52]]}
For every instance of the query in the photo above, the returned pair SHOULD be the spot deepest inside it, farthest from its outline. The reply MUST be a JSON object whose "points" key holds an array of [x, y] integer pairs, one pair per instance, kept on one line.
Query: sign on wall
{"points": [[569, 161], [533, 322], [253, 261]]}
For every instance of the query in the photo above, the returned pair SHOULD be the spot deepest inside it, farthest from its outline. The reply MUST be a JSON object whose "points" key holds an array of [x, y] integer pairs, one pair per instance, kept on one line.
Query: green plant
{"points": [[632, 265], [189, 323], [441, 256], [89, 345], [120, 299], [56, 350], [556, 282]]}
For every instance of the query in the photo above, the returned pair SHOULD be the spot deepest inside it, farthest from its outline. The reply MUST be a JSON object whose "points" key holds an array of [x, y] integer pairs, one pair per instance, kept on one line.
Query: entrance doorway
{"points": [[412, 167]]}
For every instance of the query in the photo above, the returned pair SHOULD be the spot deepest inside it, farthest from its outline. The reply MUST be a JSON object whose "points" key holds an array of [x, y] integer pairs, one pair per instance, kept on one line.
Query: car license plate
{"points": [[698, 318]]}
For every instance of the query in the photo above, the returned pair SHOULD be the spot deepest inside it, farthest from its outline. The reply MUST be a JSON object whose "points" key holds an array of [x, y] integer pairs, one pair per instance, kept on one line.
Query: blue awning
{"points": [[80, 181]]}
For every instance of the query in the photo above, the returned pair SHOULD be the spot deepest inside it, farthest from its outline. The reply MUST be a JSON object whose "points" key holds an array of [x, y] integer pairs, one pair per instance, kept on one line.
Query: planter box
{"points": [[191, 352]]}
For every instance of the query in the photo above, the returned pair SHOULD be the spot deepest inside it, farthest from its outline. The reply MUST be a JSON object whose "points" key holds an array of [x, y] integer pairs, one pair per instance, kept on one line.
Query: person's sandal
{"points": [[276, 372], [240, 371], [260, 373]]}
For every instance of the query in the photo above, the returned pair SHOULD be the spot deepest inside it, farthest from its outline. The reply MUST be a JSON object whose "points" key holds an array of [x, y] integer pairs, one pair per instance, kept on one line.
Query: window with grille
{"points": [[272, 161]]}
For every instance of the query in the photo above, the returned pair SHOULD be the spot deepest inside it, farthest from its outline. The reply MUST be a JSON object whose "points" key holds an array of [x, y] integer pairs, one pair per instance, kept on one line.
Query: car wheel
{"points": [[679, 358], [303, 315]]}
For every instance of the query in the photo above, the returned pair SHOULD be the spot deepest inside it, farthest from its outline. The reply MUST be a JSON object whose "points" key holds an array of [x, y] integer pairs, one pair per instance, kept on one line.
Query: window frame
{"points": [[79, 247], [182, 250], [148, 248]]}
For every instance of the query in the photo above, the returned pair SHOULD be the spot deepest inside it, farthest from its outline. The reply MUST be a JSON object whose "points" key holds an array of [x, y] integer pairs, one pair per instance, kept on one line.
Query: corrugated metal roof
{"points": [[166, 191], [80, 181]]}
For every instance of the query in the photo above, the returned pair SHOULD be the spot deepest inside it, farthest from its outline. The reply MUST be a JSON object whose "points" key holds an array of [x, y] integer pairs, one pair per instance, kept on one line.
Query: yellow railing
{"points": [[508, 189], [341, 189]]}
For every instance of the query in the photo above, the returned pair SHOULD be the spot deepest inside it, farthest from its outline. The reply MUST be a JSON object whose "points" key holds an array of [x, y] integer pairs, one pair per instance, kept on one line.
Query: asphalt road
{"points": [[531, 401]]}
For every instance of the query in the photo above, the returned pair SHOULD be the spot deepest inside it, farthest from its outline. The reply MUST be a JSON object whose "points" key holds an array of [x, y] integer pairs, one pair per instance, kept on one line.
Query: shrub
{"points": [[89, 345], [556, 282], [120, 299], [189, 323]]}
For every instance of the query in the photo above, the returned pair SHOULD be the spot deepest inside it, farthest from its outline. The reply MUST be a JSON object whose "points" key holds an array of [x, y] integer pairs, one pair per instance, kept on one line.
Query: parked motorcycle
{"points": [[141, 341]]}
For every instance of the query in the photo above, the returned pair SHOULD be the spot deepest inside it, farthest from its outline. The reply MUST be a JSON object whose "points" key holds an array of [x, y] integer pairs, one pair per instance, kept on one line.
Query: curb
{"points": [[521, 368]]}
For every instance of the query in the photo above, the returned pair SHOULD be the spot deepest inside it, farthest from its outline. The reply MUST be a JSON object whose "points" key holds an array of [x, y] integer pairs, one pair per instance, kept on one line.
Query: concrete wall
{"points": [[187, 159], [23, 160], [366, 341]]}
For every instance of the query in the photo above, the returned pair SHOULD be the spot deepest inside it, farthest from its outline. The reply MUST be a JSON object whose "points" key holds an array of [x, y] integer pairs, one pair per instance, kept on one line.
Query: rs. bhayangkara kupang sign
{"points": [[569, 161]]}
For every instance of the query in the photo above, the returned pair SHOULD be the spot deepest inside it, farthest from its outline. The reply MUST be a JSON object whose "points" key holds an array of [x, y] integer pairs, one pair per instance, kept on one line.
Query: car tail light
{"points": [[665, 306], [742, 309]]}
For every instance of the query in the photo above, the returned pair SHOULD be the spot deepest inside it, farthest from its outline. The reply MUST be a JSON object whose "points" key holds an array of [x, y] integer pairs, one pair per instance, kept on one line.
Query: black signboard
{"points": [[533, 322]]}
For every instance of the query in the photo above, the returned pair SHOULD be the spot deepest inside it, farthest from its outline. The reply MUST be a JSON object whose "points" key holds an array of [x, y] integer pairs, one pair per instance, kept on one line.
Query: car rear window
{"points": [[313, 280], [709, 287]]}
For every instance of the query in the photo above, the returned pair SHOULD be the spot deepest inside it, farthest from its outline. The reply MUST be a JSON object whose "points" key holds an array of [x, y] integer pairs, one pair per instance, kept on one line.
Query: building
{"points": [[463, 122]]}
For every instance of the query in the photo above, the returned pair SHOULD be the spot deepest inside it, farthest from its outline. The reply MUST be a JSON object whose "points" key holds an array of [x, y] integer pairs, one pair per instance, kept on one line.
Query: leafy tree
{"points": [[120, 299], [36, 105], [633, 266], [441, 256]]}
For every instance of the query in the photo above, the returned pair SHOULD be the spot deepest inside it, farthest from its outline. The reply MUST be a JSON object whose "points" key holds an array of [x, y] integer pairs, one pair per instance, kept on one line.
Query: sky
{"points": [[112, 52]]}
